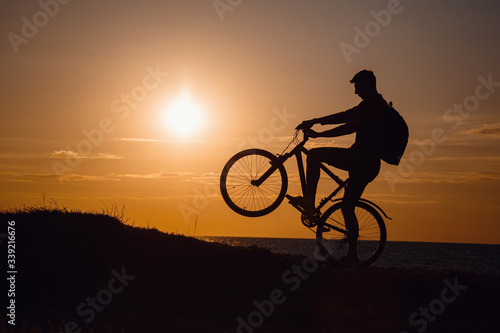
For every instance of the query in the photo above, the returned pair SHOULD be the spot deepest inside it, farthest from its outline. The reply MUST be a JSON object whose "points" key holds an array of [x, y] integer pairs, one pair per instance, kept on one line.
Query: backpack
{"points": [[393, 136]]}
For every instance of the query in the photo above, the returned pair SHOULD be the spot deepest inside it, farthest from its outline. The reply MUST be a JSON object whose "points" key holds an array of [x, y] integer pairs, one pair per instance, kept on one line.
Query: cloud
{"points": [[74, 177], [487, 129], [72, 154], [140, 140], [23, 155], [208, 178], [21, 177], [10, 176], [182, 177], [466, 158], [454, 177], [151, 176], [409, 201]]}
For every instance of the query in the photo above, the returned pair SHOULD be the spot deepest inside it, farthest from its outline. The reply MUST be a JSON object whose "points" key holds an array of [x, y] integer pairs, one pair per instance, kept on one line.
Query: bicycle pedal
{"points": [[297, 207], [291, 200]]}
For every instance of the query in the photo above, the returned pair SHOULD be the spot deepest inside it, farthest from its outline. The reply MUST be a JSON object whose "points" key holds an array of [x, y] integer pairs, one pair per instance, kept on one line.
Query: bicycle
{"points": [[254, 183]]}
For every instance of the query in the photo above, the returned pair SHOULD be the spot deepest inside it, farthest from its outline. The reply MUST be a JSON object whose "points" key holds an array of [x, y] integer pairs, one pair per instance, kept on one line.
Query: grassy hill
{"points": [[90, 272]]}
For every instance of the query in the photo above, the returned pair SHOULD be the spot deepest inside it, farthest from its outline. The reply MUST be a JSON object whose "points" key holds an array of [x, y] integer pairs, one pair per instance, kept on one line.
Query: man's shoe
{"points": [[301, 204]]}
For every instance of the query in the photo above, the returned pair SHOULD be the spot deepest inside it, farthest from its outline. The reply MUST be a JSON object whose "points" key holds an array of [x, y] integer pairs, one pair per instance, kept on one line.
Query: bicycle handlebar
{"points": [[305, 137], [296, 141]]}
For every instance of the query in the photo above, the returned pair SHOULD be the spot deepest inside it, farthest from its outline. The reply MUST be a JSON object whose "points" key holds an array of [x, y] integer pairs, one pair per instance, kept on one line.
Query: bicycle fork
{"points": [[269, 172], [274, 166]]}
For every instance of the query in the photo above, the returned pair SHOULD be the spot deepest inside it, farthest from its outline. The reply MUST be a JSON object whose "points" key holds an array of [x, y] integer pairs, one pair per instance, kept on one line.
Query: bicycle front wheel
{"points": [[331, 235], [236, 183]]}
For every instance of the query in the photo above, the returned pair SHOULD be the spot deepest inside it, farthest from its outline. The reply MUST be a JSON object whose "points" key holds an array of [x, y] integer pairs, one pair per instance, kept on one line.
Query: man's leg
{"points": [[312, 176], [337, 157], [353, 192], [363, 170]]}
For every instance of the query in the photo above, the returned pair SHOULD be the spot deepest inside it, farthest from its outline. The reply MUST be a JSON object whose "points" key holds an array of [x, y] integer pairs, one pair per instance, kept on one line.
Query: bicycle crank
{"points": [[308, 221]]}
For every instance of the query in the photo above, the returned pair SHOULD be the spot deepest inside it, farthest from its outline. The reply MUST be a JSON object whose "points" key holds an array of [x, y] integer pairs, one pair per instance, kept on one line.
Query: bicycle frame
{"points": [[297, 151]]}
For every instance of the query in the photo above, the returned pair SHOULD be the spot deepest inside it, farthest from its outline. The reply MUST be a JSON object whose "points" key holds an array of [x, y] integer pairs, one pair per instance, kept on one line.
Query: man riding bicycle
{"points": [[361, 160]]}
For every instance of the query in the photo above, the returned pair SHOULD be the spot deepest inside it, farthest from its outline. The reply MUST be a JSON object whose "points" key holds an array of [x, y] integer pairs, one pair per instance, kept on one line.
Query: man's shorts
{"points": [[362, 166]]}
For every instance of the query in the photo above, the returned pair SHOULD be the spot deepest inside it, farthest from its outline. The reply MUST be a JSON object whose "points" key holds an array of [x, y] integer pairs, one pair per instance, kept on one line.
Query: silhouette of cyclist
{"points": [[361, 160]]}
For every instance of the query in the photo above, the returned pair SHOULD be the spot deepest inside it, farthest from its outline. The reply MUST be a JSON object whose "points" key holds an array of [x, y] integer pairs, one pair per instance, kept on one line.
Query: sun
{"points": [[184, 117]]}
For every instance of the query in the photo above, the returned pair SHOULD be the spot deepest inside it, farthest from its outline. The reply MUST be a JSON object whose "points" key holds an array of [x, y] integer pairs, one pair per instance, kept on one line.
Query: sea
{"points": [[479, 258]]}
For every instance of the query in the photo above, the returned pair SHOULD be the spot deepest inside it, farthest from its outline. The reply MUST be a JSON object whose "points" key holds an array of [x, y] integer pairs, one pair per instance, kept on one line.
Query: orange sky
{"points": [[85, 87]]}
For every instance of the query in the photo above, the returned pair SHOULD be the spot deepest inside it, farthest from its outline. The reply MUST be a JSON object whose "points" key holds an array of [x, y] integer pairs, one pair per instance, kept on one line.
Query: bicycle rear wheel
{"points": [[241, 195], [331, 235]]}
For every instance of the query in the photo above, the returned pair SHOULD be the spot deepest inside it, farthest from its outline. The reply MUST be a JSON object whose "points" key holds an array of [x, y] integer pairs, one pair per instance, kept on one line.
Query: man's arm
{"points": [[347, 116], [340, 117], [341, 130]]}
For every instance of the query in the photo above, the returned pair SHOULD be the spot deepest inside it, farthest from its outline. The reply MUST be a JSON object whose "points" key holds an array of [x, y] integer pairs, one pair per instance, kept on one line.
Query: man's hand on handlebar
{"points": [[306, 124], [311, 133]]}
